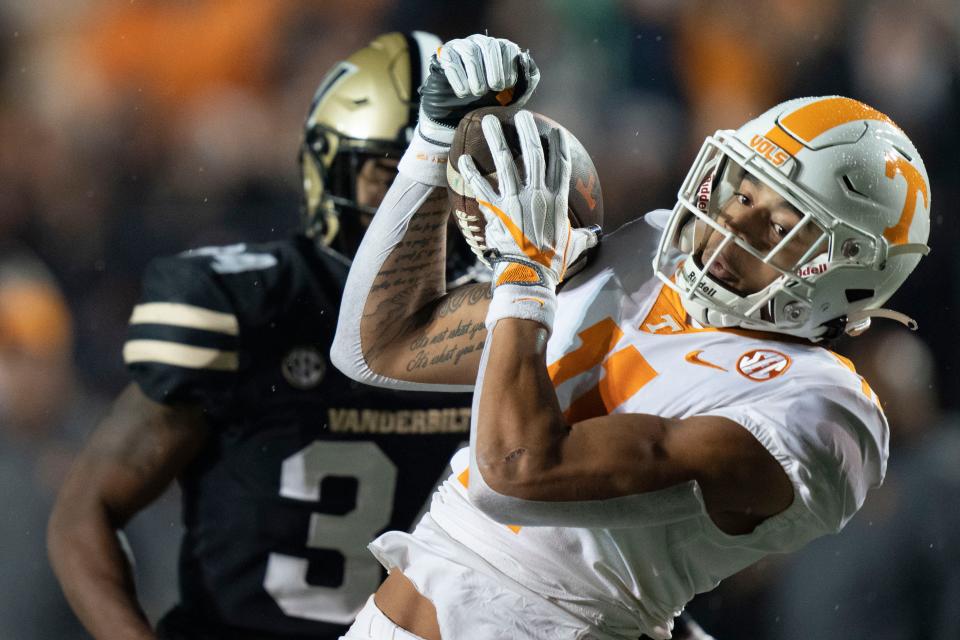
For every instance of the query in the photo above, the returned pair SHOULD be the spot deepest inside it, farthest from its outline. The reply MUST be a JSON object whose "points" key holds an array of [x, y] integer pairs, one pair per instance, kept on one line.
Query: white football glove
{"points": [[529, 238], [470, 73]]}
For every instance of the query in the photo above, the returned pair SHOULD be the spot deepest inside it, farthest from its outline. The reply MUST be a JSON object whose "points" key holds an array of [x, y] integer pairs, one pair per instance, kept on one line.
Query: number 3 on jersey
{"points": [[301, 477]]}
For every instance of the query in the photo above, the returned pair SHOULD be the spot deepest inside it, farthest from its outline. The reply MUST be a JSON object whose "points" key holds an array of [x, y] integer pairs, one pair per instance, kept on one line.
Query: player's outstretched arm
{"points": [[131, 458], [634, 469], [533, 467], [399, 326]]}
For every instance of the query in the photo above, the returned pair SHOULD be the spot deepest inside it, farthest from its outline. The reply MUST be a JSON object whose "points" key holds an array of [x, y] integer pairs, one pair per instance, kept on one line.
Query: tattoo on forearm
{"points": [[410, 279], [469, 295], [413, 263], [449, 344]]}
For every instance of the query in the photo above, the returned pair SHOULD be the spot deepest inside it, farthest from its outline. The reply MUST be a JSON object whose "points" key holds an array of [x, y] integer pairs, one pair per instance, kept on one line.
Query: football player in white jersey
{"points": [[672, 414]]}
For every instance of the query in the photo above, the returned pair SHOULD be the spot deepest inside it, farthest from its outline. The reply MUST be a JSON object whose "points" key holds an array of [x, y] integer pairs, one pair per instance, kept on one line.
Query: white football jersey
{"points": [[622, 343]]}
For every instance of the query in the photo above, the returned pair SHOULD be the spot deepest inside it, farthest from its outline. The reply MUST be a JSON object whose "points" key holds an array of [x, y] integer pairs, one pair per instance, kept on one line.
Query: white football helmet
{"points": [[862, 196]]}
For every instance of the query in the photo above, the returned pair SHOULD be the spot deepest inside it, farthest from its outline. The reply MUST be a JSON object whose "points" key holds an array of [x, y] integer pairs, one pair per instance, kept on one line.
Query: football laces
{"points": [[472, 233]]}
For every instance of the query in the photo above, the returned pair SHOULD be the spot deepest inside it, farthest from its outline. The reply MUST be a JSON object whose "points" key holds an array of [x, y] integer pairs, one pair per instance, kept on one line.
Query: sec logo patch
{"points": [[304, 367], [761, 365]]}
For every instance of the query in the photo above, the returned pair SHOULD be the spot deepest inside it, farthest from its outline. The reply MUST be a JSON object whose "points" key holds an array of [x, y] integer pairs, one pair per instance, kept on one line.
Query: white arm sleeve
{"points": [[668, 505], [389, 225]]}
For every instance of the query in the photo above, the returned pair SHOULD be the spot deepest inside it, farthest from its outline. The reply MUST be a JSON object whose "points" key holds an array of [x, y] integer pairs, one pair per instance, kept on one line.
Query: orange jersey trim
{"points": [[864, 385], [464, 479]]}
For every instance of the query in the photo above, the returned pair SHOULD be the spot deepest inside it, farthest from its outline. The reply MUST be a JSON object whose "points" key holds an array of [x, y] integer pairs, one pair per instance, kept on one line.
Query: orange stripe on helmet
{"points": [[814, 119]]}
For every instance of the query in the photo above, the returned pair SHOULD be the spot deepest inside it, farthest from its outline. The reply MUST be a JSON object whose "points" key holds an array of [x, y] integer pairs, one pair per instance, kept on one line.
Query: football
{"points": [[585, 201]]}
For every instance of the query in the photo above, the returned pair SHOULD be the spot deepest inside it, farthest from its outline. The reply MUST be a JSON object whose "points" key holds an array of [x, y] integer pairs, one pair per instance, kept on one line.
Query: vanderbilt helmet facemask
{"points": [[366, 107], [862, 200]]}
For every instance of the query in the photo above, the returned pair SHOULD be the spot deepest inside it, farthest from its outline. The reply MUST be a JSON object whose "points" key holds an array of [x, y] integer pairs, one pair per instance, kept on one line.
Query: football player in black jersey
{"points": [[287, 467]]}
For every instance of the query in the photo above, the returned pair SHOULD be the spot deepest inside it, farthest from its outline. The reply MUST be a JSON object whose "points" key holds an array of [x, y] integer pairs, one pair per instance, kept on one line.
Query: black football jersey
{"points": [[303, 467]]}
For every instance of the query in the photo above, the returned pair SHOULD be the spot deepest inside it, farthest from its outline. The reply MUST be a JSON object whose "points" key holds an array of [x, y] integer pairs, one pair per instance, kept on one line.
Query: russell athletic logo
{"points": [[761, 365]]}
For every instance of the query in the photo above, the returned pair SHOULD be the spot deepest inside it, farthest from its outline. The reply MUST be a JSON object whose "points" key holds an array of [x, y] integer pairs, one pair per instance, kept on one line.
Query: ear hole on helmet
{"points": [[903, 153], [767, 312], [321, 146], [849, 185], [856, 295]]}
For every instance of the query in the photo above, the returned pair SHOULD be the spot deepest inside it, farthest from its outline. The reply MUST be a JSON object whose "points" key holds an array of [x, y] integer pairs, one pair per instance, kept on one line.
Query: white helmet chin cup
{"points": [[685, 242], [853, 176]]}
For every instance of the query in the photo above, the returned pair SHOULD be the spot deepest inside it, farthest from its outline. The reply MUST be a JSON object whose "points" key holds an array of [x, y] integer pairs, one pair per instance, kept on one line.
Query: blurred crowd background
{"points": [[135, 128]]}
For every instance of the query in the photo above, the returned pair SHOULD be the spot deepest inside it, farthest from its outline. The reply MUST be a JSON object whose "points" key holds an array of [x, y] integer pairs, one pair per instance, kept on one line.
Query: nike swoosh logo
{"points": [[694, 358], [537, 300]]}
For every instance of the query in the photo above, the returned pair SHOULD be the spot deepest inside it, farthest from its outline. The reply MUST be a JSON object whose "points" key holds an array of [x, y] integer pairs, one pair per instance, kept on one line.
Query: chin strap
{"points": [[907, 248], [859, 321]]}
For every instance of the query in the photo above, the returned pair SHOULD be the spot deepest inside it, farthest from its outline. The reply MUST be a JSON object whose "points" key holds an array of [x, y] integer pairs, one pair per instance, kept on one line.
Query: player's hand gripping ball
{"points": [[470, 73], [495, 142], [528, 235]]}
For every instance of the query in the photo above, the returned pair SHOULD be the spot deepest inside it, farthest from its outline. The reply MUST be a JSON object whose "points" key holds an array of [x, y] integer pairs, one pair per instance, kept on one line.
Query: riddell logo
{"points": [[811, 270], [768, 150], [702, 286], [706, 289], [703, 193]]}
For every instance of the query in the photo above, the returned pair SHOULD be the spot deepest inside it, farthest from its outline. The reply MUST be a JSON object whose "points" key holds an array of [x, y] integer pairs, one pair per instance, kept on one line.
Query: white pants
{"points": [[373, 624]]}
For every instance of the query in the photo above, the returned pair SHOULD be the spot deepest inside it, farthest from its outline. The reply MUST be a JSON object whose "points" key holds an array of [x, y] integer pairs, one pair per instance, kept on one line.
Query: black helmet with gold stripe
{"points": [[361, 119]]}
